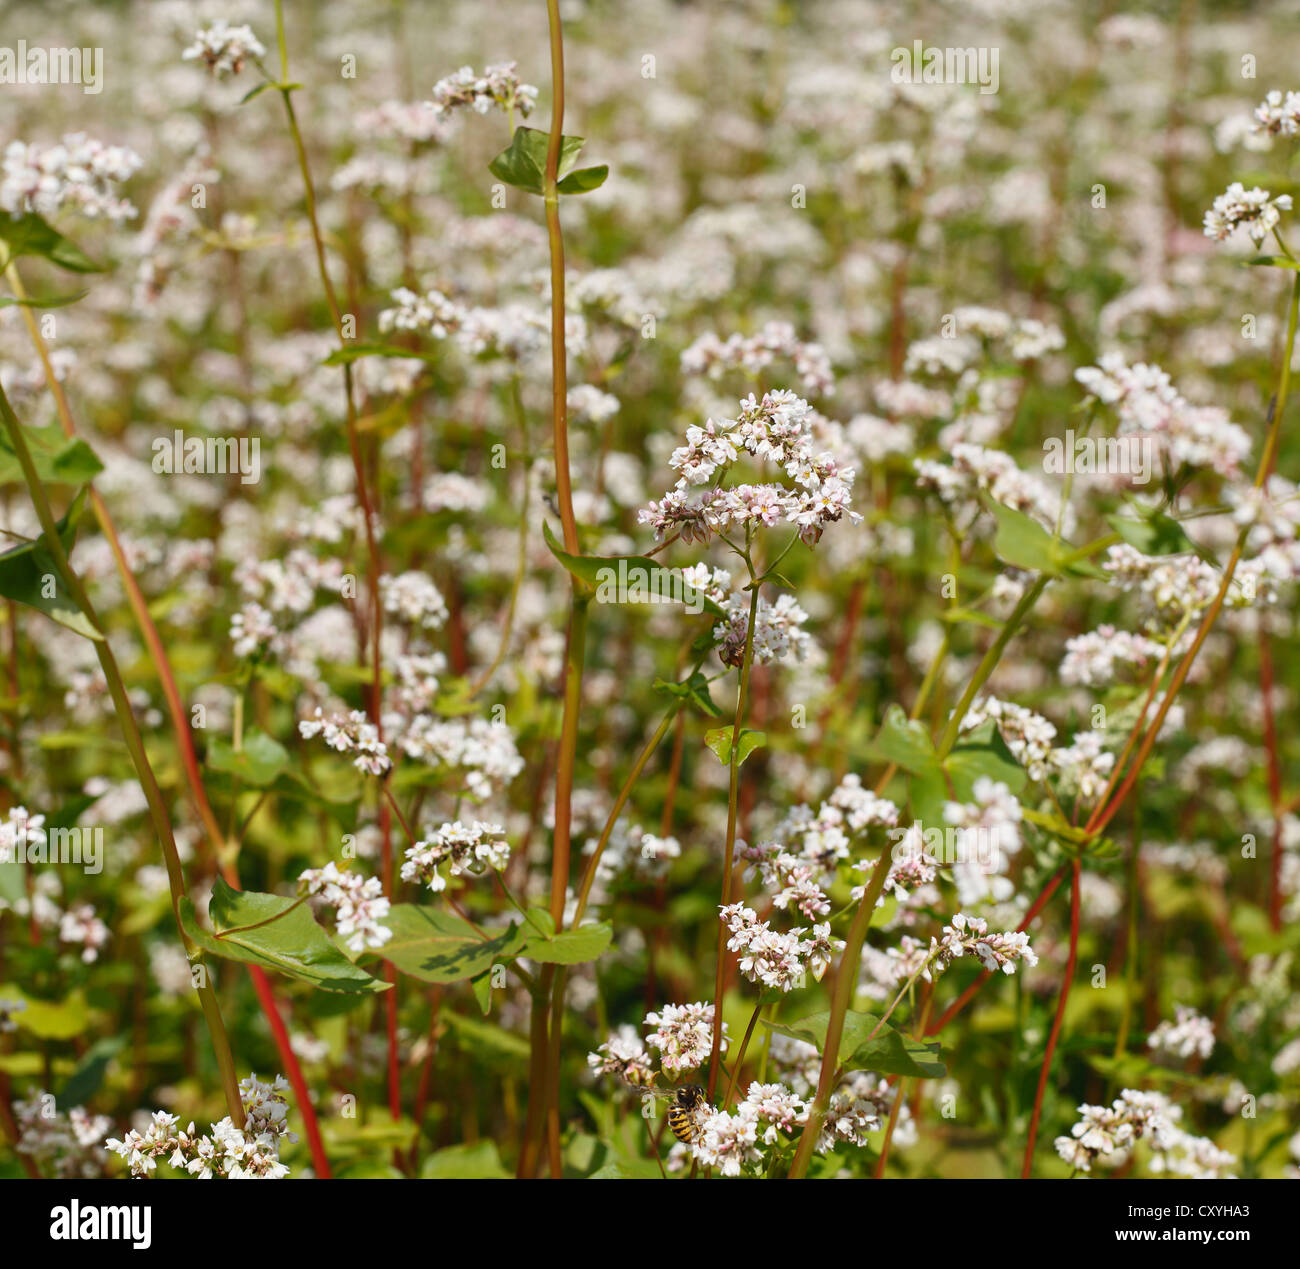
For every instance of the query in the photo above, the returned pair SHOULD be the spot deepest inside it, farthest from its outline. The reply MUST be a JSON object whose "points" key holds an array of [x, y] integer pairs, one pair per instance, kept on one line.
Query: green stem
{"points": [[135, 745], [846, 977], [989, 664], [733, 811], [548, 1091]]}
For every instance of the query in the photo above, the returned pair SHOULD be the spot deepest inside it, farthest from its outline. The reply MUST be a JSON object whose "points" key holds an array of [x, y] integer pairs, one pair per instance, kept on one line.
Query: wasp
{"points": [[686, 1113]]}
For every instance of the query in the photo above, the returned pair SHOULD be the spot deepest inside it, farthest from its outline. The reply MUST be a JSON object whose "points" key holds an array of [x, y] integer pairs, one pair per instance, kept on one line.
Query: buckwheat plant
{"points": [[649, 591]]}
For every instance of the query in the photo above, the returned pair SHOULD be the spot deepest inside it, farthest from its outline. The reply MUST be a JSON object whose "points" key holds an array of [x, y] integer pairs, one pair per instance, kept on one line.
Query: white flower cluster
{"points": [[683, 1034], [911, 874], [515, 330], [634, 853], [1189, 1034], [974, 470], [463, 848], [820, 842], [406, 121], [1106, 1135], [223, 48], [624, 1055], [450, 491], [483, 751], [965, 934], [497, 86], [794, 882], [358, 902], [1255, 210], [1086, 765], [1148, 405], [1177, 586], [253, 629], [350, 733], [1273, 516], [1028, 735], [1094, 658], [18, 830], [712, 356], [414, 598], [65, 1142], [288, 585], [728, 1142], [778, 630], [776, 429], [775, 960], [81, 927], [250, 1153], [415, 681], [987, 838], [1278, 115], [79, 173], [588, 404], [1106, 1131], [1022, 339]]}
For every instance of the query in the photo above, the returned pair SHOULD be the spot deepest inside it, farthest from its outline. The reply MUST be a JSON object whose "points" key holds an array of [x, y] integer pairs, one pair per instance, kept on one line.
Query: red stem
{"points": [[965, 998], [1056, 1022], [310, 1127]]}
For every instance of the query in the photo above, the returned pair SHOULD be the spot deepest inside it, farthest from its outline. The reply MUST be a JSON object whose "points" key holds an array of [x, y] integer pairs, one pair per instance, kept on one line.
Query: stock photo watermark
{"points": [[22, 63]]}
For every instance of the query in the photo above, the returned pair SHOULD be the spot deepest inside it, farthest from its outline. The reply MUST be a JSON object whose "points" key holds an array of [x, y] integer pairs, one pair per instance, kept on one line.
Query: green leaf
{"points": [[28, 571], [888, 1053], [904, 742], [13, 881], [983, 752], [43, 301], [479, 1161], [969, 616], [86, 1080], [695, 691], [276, 933], [57, 459], [618, 578], [719, 740], [481, 1037], [1277, 262], [47, 1019], [1023, 543], [569, 947], [1156, 534], [30, 235], [523, 162], [259, 762], [354, 352], [437, 947], [584, 180]]}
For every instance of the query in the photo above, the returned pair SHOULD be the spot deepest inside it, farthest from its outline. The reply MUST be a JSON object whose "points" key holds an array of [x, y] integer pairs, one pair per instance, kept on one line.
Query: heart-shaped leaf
{"points": [[719, 740], [57, 459], [30, 235], [523, 162], [276, 933], [258, 762], [568, 947], [29, 575], [631, 579], [438, 947], [888, 1051]]}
